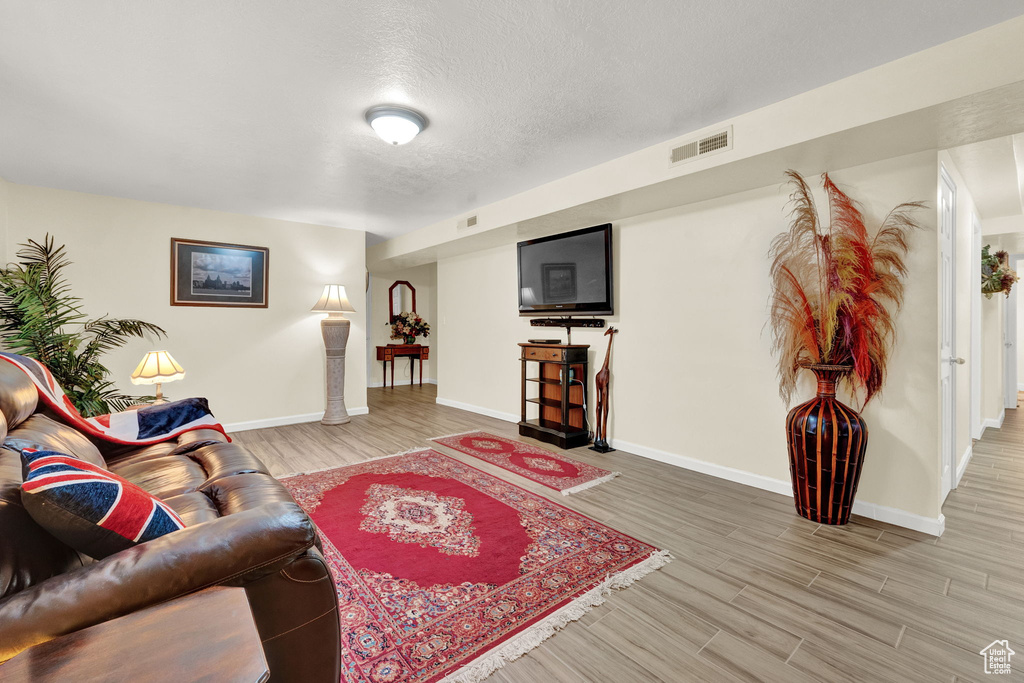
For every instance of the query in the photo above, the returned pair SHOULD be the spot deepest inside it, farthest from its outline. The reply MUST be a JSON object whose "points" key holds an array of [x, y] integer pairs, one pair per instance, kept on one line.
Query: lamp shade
{"points": [[333, 300], [157, 367]]}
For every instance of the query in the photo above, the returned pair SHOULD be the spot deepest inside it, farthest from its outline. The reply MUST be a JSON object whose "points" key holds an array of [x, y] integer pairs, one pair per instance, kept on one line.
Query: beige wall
{"points": [[424, 279], [252, 364], [962, 286], [692, 355], [992, 361], [4, 203]]}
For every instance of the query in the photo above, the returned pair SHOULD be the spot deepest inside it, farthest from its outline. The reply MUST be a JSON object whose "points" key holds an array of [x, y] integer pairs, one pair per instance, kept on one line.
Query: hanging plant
{"points": [[996, 274]]}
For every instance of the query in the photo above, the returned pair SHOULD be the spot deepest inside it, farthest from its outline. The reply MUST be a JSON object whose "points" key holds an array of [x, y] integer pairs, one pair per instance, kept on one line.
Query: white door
{"points": [[947, 350], [1010, 346]]}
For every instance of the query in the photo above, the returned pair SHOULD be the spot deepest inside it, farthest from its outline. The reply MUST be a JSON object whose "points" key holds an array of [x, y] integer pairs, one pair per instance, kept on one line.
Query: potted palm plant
{"points": [[835, 290], [39, 318]]}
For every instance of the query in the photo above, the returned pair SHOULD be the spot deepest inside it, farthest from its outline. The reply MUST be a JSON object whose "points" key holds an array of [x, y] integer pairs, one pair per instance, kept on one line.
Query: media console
{"points": [[559, 371]]}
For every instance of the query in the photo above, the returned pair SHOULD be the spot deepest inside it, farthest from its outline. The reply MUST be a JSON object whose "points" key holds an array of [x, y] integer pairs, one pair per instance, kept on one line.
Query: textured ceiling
{"points": [[257, 107], [990, 171]]}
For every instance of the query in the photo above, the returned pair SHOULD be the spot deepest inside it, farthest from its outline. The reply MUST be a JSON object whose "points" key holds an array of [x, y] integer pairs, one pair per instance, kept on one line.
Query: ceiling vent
{"points": [[466, 223], [701, 147]]}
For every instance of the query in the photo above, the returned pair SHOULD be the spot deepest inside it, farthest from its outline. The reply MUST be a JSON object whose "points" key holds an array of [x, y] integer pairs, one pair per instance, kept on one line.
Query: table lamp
{"points": [[335, 329], [156, 368]]}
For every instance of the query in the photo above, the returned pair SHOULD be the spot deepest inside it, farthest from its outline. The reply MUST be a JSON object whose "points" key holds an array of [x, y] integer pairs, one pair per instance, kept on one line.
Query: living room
{"points": [[411, 463]]}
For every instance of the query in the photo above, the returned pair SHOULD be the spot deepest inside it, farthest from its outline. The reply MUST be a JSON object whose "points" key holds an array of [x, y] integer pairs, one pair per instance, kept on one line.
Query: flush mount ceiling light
{"points": [[397, 125]]}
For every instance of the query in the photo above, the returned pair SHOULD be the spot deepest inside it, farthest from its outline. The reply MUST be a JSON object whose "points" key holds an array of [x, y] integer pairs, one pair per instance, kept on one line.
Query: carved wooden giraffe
{"points": [[602, 381]]}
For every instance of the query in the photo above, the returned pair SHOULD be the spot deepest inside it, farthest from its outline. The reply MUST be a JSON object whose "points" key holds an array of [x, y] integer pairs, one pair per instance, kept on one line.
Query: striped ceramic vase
{"points": [[826, 451]]}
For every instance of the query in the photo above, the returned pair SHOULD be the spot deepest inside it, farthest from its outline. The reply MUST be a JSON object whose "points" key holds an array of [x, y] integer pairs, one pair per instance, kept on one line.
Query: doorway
{"points": [[1011, 381]]}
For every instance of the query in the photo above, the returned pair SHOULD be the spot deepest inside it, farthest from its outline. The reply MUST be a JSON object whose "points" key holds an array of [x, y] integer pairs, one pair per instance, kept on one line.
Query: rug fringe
{"points": [[588, 484], [519, 645], [349, 464], [449, 436]]}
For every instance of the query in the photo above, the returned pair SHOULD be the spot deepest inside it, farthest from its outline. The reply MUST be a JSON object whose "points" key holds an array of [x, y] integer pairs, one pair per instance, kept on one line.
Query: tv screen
{"points": [[567, 274]]}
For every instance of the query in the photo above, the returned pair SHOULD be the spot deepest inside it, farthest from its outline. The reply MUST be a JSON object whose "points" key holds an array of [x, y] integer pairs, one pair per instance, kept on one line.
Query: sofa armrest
{"points": [[231, 550]]}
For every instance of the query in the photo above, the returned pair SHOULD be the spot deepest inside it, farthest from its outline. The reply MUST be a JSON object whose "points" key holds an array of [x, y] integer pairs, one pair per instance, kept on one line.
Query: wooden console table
{"points": [[413, 352], [206, 636], [561, 378]]}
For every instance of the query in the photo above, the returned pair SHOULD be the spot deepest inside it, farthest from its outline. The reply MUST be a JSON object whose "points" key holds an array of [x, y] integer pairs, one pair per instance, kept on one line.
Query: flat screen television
{"points": [[567, 274]]}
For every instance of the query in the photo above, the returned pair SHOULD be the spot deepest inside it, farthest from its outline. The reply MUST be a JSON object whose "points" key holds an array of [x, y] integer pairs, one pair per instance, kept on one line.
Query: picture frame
{"points": [[219, 274], [558, 281]]}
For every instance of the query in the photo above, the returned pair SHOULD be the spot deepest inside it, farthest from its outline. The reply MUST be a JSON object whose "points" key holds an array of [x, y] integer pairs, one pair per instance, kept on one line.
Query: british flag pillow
{"points": [[88, 508]]}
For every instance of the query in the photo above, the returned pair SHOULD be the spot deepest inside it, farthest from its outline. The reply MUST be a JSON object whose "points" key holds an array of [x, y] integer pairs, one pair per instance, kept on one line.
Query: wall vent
{"points": [[701, 147], [466, 223]]}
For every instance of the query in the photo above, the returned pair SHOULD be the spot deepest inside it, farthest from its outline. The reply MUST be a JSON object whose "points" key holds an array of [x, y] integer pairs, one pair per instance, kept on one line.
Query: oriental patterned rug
{"points": [[558, 472], [445, 573]]}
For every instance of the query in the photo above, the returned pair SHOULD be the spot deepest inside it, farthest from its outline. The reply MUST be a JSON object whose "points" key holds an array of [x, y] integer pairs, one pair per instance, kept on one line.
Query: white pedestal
{"points": [[335, 331]]}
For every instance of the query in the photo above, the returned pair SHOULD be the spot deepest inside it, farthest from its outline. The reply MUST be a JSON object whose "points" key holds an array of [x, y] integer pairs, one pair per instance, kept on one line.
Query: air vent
{"points": [[701, 147], [471, 222], [466, 223]]}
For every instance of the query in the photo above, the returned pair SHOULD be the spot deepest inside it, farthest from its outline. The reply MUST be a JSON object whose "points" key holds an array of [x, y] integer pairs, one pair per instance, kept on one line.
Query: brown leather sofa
{"points": [[243, 529]]}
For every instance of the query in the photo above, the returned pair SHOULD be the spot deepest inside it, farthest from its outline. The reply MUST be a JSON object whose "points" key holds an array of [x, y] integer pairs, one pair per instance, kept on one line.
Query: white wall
{"points": [[692, 355], [424, 279], [4, 203], [252, 364], [966, 210]]}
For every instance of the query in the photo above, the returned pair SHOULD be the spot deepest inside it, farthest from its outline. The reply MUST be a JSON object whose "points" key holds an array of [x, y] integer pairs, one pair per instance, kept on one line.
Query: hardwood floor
{"points": [[755, 593]]}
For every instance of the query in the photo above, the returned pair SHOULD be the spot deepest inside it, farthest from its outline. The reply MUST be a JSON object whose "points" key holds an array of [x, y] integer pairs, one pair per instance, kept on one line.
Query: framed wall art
{"points": [[217, 274]]}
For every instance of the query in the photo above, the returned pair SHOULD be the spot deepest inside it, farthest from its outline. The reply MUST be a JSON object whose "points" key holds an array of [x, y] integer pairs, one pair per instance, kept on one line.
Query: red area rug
{"points": [[558, 472], [445, 573]]}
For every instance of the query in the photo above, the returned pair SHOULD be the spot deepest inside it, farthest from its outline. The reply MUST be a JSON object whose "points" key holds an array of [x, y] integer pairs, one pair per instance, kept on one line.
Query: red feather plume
{"points": [[835, 288]]}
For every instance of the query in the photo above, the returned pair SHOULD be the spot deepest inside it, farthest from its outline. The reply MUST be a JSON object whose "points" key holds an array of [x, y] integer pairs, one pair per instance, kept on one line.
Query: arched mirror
{"points": [[401, 298]]}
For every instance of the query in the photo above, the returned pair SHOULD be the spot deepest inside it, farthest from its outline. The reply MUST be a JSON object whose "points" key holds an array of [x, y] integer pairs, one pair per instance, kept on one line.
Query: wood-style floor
{"points": [[755, 593]]}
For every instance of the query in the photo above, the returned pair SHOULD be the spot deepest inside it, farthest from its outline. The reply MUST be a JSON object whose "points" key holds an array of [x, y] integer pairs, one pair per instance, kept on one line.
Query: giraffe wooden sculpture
{"points": [[601, 381]]}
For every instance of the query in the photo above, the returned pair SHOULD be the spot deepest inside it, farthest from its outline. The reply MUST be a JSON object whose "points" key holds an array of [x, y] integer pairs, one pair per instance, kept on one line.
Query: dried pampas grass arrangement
{"points": [[835, 288]]}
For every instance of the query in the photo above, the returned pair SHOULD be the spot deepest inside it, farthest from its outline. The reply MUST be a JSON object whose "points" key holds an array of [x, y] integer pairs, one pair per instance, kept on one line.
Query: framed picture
{"points": [[559, 281], [216, 274]]}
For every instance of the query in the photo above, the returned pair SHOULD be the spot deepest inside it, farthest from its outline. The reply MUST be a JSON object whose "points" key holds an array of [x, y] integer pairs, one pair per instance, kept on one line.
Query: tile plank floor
{"points": [[755, 593]]}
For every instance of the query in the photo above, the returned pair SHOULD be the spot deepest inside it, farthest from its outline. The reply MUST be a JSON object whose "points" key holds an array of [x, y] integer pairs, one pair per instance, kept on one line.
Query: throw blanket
{"points": [[147, 425]]}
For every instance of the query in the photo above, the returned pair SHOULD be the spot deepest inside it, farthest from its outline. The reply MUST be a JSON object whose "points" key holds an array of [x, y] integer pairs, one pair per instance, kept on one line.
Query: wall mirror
{"points": [[401, 298]]}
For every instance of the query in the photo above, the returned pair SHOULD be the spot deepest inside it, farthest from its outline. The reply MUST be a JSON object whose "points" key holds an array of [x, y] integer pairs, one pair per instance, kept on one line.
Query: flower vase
{"points": [[409, 339], [827, 441]]}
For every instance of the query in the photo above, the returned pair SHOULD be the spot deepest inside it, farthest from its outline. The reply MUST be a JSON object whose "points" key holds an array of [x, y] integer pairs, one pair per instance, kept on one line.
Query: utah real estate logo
{"points": [[997, 657]]}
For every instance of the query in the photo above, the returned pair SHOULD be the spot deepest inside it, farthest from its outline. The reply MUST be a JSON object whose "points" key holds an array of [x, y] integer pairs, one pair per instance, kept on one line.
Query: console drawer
{"points": [[541, 353]]}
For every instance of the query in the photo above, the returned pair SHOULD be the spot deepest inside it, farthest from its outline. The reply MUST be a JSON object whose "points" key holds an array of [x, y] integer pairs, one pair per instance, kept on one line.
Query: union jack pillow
{"points": [[88, 508]]}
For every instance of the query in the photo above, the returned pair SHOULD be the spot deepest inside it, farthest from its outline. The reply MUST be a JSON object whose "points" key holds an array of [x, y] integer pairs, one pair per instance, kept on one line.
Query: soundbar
{"points": [[567, 322]]}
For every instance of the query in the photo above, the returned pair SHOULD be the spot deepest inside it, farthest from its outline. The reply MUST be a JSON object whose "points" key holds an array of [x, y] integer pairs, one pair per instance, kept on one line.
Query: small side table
{"points": [[206, 636], [414, 352]]}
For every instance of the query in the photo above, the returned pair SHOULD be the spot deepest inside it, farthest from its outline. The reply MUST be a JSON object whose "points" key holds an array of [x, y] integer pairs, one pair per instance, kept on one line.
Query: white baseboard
{"points": [[962, 467], [881, 513], [994, 422], [507, 417], [284, 421], [378, 385], [1020, 387]]}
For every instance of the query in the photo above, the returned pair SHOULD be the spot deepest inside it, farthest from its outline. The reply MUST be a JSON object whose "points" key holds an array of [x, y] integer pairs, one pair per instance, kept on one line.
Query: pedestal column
{"points": [[335, 331]]}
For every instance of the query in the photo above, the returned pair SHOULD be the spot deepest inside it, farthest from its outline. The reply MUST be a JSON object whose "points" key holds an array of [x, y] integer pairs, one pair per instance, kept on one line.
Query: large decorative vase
{"points": [[827, 441]]}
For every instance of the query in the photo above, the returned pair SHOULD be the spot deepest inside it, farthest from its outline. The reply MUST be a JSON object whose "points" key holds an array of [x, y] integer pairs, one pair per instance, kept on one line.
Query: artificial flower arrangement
{"points": [[996, 274], [408, 326]]}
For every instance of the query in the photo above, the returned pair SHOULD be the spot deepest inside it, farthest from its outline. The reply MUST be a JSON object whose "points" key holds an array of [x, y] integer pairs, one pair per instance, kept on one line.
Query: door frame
{"points": [[948, 458], [1011, 384], [977, 423]]}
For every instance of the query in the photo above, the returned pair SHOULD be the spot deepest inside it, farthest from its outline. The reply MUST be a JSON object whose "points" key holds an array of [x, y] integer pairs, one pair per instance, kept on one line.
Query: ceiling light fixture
{"points": [[396, 125]]}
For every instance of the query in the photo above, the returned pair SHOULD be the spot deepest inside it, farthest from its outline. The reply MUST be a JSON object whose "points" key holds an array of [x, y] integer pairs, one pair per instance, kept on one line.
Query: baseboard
{"points": [[881, 513], [507, 417], [1020, 387], [994, 422], [284, 421], [378, 385], [962, 467]]}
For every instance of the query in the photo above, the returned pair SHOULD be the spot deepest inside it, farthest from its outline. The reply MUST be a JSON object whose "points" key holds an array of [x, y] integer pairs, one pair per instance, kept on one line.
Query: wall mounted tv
{"points": [[567, 274]]}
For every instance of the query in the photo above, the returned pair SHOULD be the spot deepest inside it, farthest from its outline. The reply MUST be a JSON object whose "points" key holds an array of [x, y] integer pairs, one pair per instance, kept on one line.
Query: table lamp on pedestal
{"points": [[156, 368], [335, 328]]}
